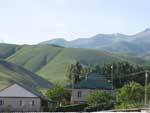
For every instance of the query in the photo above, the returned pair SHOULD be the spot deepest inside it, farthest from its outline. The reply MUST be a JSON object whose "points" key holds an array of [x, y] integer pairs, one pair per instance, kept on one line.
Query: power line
{"points": [[129, 75], [124, 75]]}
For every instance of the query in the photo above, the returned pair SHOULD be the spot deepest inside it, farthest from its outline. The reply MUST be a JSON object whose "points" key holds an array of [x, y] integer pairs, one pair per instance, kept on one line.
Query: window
{"points": [[32, 103], [1, 102], [20, 102], [79, 94]]}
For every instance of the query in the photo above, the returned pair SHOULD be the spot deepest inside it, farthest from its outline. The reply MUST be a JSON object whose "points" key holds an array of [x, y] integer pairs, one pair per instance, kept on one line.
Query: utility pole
{"points": [[146, 76], [72, 89], [112, 79]]}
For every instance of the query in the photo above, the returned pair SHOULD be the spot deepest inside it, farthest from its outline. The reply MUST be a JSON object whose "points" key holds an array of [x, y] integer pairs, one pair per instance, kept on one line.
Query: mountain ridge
{"points": [[100, 41]]}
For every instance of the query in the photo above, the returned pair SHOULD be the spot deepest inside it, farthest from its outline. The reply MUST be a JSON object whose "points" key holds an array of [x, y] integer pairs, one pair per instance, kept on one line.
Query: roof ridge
{"points": [[35, 92], [94, 81]]}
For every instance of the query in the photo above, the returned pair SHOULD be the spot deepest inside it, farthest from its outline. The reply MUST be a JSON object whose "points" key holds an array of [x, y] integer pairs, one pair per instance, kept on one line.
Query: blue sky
{"points": [[32, 21]]}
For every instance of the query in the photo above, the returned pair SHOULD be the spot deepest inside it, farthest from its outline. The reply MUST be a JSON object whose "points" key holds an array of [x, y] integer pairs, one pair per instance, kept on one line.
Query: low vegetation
{"points": [[72, 108], [100, 100], [58, 94], [131, 96]]}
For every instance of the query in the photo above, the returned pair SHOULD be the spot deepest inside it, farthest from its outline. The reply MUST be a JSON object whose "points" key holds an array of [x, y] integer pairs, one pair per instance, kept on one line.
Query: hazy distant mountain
{"points": [[116, 42], [58, 41], [92, 42]]}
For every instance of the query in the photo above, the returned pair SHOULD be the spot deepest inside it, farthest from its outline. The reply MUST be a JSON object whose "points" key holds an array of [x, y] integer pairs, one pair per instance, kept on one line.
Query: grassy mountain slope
{"points": [[57, 68], [10, 73], [127, 47], [8, 49], [51, 62], [34, 57]]}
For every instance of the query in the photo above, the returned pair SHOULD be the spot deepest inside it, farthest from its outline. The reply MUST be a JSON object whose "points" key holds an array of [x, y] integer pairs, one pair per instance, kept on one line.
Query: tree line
{"points": [[122, 72]]}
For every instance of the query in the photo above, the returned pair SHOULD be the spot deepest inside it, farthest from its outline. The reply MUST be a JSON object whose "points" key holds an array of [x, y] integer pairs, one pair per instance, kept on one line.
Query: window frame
{"points": [[79, 94], [1, 102], [20, 103], [33, 102]]}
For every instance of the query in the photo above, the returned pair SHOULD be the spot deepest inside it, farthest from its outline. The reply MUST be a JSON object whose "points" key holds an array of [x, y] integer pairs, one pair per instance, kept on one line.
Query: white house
{"points": [[18, 97], [93, 82]]}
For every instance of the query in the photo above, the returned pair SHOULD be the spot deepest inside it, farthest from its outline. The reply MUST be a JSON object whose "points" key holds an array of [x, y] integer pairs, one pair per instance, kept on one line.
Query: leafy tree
{"points": [[130, 94], [100, 98], [58, 93], [74, 72], [121, 72]]}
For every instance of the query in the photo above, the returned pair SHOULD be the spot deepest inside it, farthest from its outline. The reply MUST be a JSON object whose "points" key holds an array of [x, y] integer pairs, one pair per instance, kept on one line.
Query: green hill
{"points": [[56, 69], [8, 49], [10, 73], [51, 62], [34, 57]]}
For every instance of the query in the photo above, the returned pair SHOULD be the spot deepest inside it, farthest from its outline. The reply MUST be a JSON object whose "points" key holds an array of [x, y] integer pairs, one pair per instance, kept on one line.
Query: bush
{"points": [[129, 105], [99, 107], [99, 98], [58, 93], [93, 108], [131, 93], [72, 108]]}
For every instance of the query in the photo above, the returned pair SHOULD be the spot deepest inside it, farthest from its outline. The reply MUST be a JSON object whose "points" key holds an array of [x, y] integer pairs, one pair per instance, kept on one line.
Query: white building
{"points": [[18, 97]]}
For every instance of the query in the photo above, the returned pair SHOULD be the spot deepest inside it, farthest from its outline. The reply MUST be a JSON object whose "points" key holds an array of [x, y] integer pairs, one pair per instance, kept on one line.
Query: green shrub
{"points": [[72, 108], [99, 107], [58, 93], [129, 105]]}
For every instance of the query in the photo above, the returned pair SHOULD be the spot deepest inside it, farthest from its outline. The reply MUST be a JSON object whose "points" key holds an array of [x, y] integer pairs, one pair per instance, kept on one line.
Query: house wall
{"points": [[82, 99], [13, 104], [84, 92]]}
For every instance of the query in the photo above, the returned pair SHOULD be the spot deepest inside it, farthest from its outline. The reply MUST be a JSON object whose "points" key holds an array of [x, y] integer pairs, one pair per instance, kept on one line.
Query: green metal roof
{"points": [[94, 81]]}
